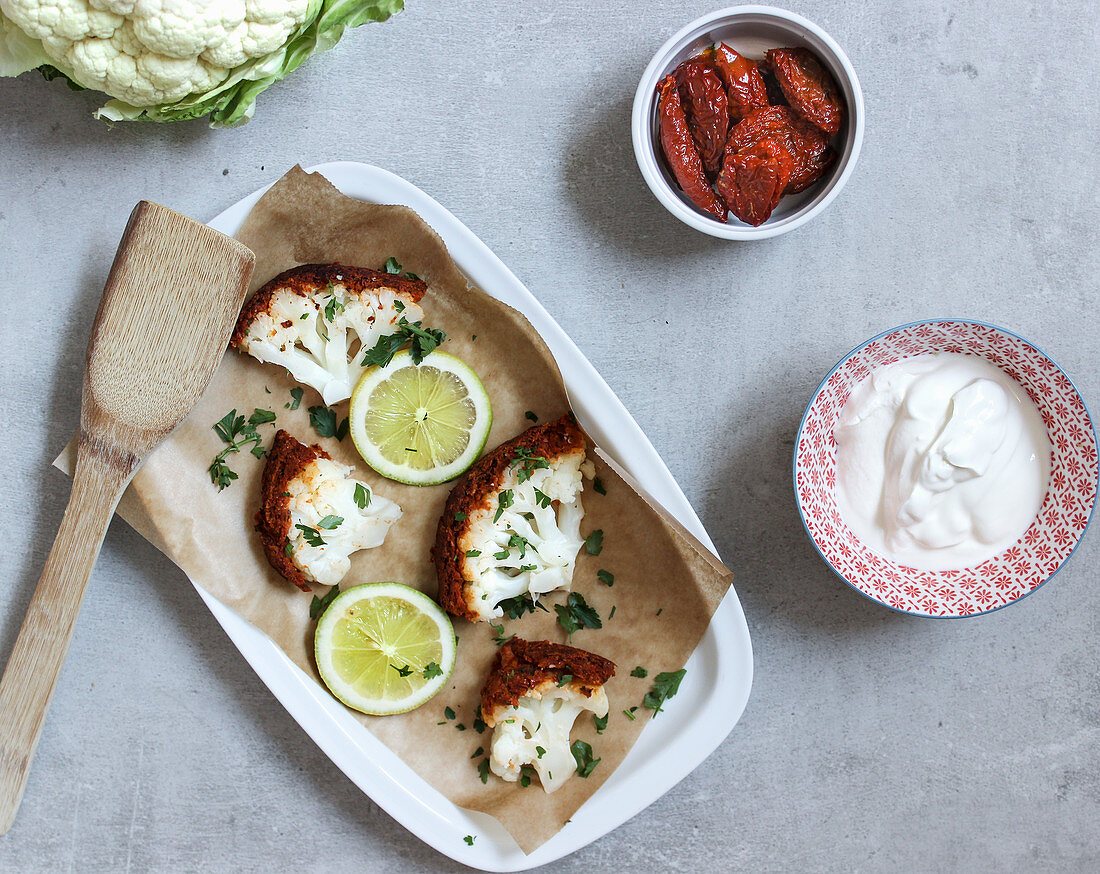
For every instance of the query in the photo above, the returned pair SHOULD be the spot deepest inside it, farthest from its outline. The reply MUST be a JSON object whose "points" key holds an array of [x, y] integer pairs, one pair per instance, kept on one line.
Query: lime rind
{"points": [[371, 630], [420, 424]]}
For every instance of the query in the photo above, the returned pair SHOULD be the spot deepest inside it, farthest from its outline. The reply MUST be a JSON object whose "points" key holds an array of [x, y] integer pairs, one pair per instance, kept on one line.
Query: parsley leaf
{"points": [[605, 577], [593, 543], [362, 496], [565, 680], [295, 398], [312, 535], [460, 517], [639, 672], [317, 605], [498, 638], [575, 614], [597, 486], [483, 770], [449, 712], [520, 605], [330, 522], [582, 752], [325, 422], [237, 432], [469, 839], [601, 722], [433, 670], [473, 553], [393, 265], [421, 341], [504, 500], [403, 671], [527, 463], [543, 500], [531, 416], [665, 686]]}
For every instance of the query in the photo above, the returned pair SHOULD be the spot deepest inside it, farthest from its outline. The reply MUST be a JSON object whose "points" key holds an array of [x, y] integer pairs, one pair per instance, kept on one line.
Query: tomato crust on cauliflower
{"points": [[302, 486], [534, 692], [511, 526], [318, 320]]}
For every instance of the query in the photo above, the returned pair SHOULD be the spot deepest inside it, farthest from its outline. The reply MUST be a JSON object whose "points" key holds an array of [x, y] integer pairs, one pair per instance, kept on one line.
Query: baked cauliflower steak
{"points": [[314, 514], [511, 526], [319, 320], [533, 694]]}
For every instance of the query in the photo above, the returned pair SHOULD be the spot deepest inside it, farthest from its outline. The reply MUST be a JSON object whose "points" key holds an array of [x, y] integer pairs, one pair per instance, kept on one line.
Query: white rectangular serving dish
{"points": [[719, 676]]}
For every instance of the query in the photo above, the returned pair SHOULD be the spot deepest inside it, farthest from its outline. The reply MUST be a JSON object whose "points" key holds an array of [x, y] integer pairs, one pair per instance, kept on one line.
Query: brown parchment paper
{"points": [[666, 585]]}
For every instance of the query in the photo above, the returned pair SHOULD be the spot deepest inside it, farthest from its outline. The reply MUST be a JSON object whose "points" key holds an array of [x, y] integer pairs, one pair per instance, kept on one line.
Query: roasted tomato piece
{"points": [[752, 180], [681, 153], [809, 88], [744, 83], [705, 104], [807, 144]]}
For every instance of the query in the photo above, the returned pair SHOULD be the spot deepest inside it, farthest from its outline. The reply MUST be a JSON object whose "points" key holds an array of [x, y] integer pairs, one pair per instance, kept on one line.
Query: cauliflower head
{"points": [[532, 712], [314, 514], [172, 59], [317, 321], [511, 526]]}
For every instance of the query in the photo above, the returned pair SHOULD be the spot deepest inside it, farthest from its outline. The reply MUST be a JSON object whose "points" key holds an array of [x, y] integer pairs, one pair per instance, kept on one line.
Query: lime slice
{"points": [[421, 424], [376, 645]]}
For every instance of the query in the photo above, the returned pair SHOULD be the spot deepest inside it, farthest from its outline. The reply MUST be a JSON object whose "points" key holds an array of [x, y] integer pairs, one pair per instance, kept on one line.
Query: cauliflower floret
{"points": [[149, 52], [532, 712], [512, 525], [317, 320], [315, 514]]}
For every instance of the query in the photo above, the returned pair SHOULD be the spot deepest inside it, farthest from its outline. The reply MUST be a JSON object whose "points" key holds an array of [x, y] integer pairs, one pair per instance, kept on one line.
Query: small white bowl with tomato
{"points": [[748, 122]]}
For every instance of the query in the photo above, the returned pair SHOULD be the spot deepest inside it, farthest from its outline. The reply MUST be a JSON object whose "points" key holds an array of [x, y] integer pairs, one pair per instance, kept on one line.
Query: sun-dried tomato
{"points": [[706, 107], [807, 144], [681, 153], [809, 88], [752, 180], [743, 81], [775, 93]]}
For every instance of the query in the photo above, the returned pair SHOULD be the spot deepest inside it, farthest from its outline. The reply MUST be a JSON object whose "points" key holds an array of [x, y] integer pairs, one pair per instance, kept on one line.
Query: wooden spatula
{"points": [[171, 299]]}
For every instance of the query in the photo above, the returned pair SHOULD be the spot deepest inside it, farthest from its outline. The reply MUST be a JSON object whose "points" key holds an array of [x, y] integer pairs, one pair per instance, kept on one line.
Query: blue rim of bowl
{"points": [[821, 386]]}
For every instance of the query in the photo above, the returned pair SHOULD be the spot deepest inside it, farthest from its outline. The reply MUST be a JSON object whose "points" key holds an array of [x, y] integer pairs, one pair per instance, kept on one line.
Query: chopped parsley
{"points": [[469, 839], [543, 500], [480, 751], [479, 723], [473, 553], [531, 416], [449, 712], [520, 605], [402, 671], [504, 500], [330, 522], [362, 496], [526, 772], [325, 422], [582, 752], [540, 752], [639, 672], [237, 432], [318, 605], [500, 556], [312, 535], [432, 670], [605, 577], [527, 464], [629, 714], [601, 722], [295, 398], [612, 613], [518, 541], [565, 680], [575, 614], [460, 517], [483, 770], [394, 266], [593, 543], [598, 487], [665, 686], [420, 340], [332, 308], [498, 637]]}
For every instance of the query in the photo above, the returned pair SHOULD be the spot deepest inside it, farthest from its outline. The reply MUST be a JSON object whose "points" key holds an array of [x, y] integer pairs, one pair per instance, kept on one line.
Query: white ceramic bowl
{"points": [[1014, 572], [751, 30]]}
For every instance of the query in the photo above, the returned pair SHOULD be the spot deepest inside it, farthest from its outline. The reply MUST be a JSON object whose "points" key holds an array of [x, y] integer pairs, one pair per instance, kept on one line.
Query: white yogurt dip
{"points": [[942, 461]]}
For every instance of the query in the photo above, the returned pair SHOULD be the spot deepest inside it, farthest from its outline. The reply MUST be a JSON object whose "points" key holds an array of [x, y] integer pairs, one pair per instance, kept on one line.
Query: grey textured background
{"points": [[872, 741]]}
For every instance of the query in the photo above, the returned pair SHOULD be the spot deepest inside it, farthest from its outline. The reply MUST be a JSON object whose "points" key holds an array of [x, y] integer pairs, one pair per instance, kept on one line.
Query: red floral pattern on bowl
{"points": [[1008, 576]]}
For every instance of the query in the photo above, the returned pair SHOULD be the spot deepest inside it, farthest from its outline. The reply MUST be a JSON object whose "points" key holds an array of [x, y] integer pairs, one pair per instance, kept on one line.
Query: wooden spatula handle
{"points": [[35, 663]]}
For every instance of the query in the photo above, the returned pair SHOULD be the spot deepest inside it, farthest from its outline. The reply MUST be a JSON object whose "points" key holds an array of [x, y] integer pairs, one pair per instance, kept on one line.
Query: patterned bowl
{"points": [[1008, 576]]}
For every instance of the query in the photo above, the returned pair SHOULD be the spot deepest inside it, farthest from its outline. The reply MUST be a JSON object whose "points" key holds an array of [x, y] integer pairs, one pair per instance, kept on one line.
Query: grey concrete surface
{"points": [[872, 741]]}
